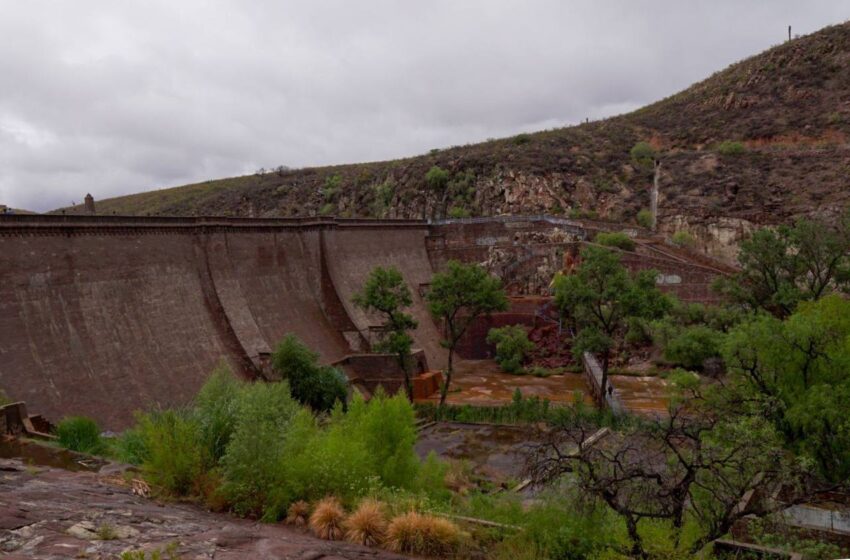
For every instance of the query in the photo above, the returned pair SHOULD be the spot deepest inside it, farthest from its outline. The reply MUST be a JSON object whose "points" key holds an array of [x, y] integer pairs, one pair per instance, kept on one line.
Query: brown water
{"points": [[34, 453]]}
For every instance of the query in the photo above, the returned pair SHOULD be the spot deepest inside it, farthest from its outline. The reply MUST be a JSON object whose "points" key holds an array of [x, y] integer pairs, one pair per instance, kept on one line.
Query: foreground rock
{"points": [[52, 513]]}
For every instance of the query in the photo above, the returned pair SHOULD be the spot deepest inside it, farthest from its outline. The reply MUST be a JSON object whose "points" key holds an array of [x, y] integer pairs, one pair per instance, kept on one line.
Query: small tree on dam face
{"points": [[458, 296], [385, 292]]}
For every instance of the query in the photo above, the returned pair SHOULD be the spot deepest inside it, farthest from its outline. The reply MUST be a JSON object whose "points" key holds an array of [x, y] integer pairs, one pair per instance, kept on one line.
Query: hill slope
{"points": [[784, 116]]}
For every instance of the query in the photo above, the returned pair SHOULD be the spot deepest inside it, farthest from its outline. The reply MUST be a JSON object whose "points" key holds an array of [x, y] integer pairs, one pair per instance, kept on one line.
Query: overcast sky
{"points": [[116, 97]]}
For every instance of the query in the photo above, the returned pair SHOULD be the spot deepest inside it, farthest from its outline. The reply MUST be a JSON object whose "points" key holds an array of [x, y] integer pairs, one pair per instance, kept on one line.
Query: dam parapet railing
{"points": [[17, 223]]}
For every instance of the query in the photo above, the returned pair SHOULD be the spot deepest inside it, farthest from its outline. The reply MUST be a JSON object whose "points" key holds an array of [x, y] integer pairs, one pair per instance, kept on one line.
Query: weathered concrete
{"points": [[104, 315]]}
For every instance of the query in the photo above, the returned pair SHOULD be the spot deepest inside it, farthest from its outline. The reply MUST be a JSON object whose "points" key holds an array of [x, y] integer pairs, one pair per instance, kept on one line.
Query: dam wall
{"points": [[103, 316], [106, 315]]}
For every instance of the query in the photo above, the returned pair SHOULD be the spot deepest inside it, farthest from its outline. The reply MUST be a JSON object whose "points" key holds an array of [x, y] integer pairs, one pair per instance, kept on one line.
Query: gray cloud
{"points": [[118, 97]]}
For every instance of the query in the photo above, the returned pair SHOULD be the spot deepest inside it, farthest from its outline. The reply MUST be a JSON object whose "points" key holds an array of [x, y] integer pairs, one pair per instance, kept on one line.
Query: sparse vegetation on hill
{"points": [[763, 141]]}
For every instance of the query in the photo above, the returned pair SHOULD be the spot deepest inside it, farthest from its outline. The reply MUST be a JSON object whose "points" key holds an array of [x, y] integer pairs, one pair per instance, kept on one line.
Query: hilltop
{"points": [[763, 141]]}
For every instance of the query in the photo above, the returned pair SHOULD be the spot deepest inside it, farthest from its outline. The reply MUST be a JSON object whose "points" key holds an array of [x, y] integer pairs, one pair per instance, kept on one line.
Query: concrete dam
{"points": [[105, 315]]}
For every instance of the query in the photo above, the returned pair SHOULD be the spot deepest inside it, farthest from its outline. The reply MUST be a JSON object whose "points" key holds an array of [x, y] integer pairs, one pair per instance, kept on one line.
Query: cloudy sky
{"points": [[113, 97]]}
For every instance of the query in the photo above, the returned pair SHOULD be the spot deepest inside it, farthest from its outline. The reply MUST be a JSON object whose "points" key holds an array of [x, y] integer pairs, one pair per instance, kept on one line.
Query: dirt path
{"points": [[51, 513]]}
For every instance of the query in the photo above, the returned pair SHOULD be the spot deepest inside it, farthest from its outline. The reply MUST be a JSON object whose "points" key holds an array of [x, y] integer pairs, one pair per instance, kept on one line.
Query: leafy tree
{"points": [[798, 370], [319, 387], [784, 266], [386, 293], [692, 346], [600, 297], [458, 296], [512, 346]]}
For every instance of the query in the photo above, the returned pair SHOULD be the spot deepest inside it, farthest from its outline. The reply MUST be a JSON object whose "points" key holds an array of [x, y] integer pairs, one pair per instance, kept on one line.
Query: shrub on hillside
{"points": [[730, 148], [512, 346], [79, 433], [615, 239], [642, 154], [644, 219], [683, 239], [457, 212]]}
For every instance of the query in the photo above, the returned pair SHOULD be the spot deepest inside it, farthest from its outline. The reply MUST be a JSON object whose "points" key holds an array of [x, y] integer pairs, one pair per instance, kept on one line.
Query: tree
{"points": [[458, 296], [798, 370], [311, 384], [512, 346], [386, 292], [783, 266], [700, 464], [600, 298]]}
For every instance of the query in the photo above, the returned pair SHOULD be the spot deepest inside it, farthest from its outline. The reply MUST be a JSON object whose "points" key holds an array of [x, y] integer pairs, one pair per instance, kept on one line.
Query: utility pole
{"points": [[789, 32]]}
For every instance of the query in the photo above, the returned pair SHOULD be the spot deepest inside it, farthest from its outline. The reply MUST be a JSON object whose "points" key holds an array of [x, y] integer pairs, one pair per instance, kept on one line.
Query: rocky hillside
{"points": [[763, 141]]}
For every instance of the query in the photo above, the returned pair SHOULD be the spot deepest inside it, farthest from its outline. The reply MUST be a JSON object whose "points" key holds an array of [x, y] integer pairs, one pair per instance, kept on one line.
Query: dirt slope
{"points": [[789, 107]]}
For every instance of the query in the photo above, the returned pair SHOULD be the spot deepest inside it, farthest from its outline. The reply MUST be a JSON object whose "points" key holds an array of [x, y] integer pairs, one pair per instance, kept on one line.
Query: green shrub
{"points": [[332, 187], [458, 212], [615, 239], [521, 139], [175, 455], [384, 192], [730, 148], [327, 209], [644, 219], [130, 447], [512, 346], [319, 387], [692, 346], [252, 463], [683, 239], [642, 154], [79, 433], [216, 410]]}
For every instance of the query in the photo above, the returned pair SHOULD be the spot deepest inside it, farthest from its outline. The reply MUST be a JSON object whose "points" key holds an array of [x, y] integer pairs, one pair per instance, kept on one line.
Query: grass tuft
{"points": [[368, 524], [327, 519]]}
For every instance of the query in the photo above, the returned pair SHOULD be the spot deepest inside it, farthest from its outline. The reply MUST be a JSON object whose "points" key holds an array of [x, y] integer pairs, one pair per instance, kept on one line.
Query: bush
{"points": [[642, 154], [425, 535], [332, 187], [216, 410], [512, 346], [368, 524], [521, 139], [252, 463], [730, 148], [683, 239], [327, 209], [79, 433], [644, 219], [298, 513], [327, 518], [457, 212], [615, 239], [319, 387], [175, 456], [692, 346]]}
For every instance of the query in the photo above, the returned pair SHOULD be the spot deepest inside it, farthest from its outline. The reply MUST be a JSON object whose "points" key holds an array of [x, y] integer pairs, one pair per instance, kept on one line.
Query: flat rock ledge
{"points": [[52, 513]]}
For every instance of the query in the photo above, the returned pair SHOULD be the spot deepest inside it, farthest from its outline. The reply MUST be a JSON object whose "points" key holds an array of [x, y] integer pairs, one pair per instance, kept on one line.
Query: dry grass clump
{"points": [[368, 524], [298, 513], [327, 518], [426, 535]]}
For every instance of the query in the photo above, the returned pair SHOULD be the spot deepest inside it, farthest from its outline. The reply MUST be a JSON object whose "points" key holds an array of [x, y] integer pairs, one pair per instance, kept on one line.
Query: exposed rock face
{"points": [[50, 514]]}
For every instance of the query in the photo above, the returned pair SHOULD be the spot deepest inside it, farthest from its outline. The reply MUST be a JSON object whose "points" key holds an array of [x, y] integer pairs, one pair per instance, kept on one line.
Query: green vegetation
{"points": [[512, 346], [784, 266], [601, 297], [319, 387], [644, 219], [458, 212], [692, 346], [615, 239], [457, 297], [730, 148], [387, 294], [79, 433], [332, 186], [683, 239], [642, 154], [521, 139]]}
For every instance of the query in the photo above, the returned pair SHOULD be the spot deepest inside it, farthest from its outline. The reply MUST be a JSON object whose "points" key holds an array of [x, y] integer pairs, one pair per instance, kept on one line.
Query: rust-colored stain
{"points": [[642, 395], [480, 382]]}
